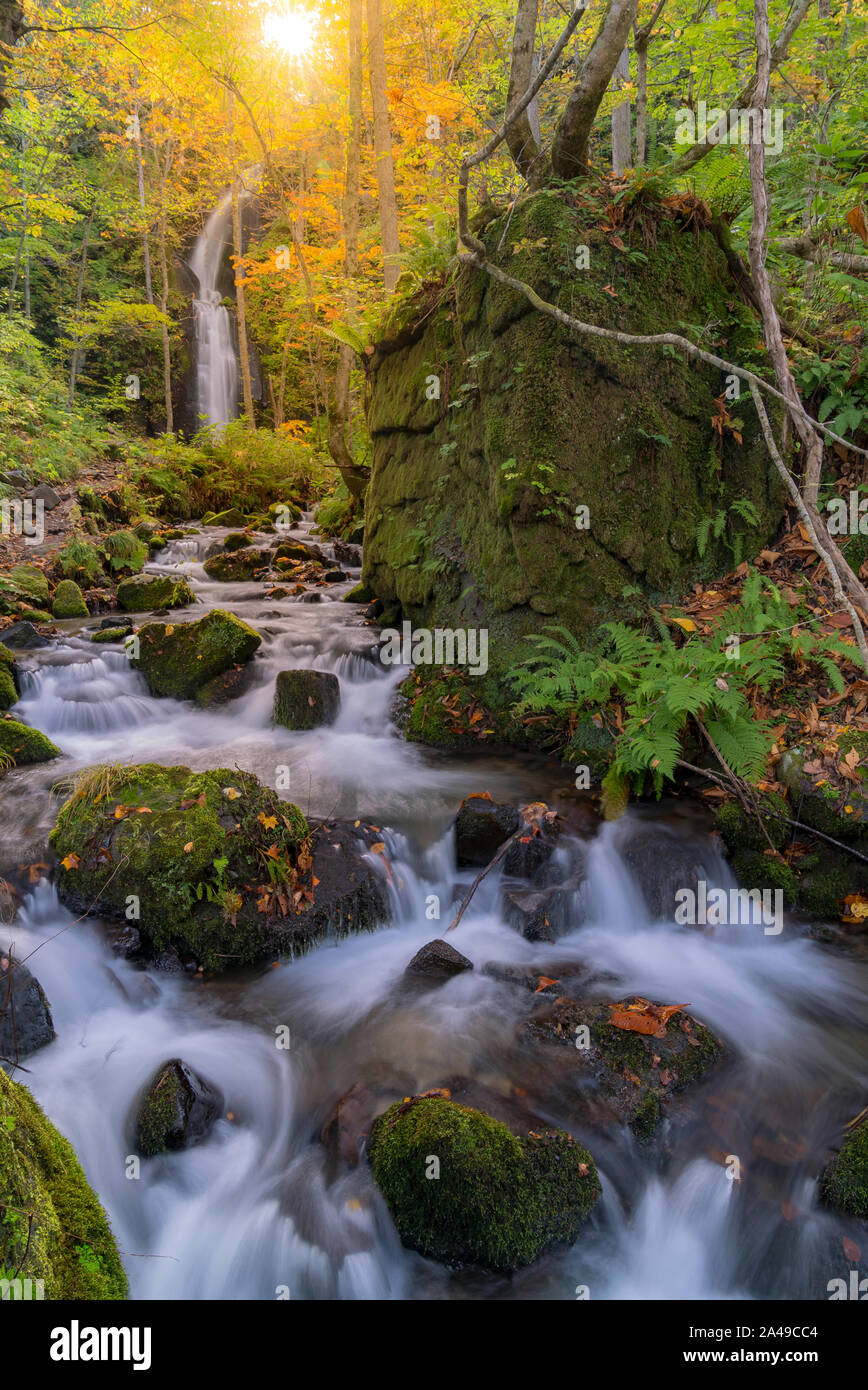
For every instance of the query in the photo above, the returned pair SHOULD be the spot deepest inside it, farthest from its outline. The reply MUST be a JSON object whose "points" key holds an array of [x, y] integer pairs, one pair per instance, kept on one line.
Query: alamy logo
{"points": [[439, 646], [22, 1290], [25, 519], [738, 126], [715, 907], [76, 1343]]}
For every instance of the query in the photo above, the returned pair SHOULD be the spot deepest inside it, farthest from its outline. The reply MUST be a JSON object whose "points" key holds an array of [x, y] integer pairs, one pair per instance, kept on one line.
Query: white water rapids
{"points": [[254, 1210]]}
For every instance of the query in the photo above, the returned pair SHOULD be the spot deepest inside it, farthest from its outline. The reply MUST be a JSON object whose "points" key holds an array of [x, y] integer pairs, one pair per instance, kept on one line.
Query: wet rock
{"points": [[499, 1201], [278, 593], [526, 856], [145, 592], [542, 914], [297, 550], [22, 636], [179, 659], [195, 862], [374, 609], [21, 744], [111, 634], [169, 961], [348, 554], [844, 1182], [236, 540], [125, 941], [334, 577], [436, 962], [225, 687], [663, 861], [236, 566], [481, 827], [306, 699], [360, 594], [634, 1072], [346, 1130], [178, 1110], [548, 980], [233, 517], [8, 686], [311, 598], [25, 1014], [69, 601], [45, 494]]}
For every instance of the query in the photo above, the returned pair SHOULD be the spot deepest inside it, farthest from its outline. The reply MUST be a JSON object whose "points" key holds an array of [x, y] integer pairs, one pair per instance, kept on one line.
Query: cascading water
{"points": [[258, 1207], [216, 358]]}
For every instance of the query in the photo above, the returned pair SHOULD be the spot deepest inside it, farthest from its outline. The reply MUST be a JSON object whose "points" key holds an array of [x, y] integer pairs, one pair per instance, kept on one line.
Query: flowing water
{"points": [[260, 1209], [216, 359]]}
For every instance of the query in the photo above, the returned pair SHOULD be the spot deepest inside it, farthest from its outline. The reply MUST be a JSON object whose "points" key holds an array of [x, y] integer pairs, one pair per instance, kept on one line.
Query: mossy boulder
{"points": [[20, 744], [828, 802], [306, 699], [844, 1183], [179, 659], [237, 566], [144, 592], [236, 540], [224, 871], [499, 1201], [69, 1244], [360, 593], [8, 691], [34, 615], [177, 1111], [69, 601], [110, 634], [233, 517], [31, 579], [633, 1074], [471, 513]]}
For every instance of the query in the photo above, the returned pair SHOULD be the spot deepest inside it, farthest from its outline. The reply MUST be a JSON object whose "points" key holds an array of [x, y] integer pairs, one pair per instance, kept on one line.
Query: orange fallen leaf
{"points": [[71, 861], [188, 846]]}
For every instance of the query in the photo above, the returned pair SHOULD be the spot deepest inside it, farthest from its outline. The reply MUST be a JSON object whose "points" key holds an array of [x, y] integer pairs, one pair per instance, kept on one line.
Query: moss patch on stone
{"points": [[143, 592], [236, 566], [20, 744], [69, 1244], [178, 659], [499, 1200], [69, 601], [192, 847], [31, 579], [844, 1184]]}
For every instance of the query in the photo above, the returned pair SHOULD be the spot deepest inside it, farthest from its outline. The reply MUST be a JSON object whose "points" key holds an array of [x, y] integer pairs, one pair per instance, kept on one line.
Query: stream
{"points": [[258, 1211]]}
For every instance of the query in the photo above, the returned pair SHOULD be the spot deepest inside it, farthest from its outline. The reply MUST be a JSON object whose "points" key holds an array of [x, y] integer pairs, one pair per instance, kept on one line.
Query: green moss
{"points": [[753, 869], [360, 594], [34, 615], [741, 831], [844, 1184], [237, 566], [143, 592], [110, 634], [646, 1117], [19, 744], [69, 1244], [499, 1201], [178, 659], [69, 601], [187, 896], [233, 517], [8, 693], [32, 580]]}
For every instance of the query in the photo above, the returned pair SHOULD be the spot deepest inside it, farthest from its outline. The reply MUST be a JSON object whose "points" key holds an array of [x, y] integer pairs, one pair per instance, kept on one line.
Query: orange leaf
{"points": [[188, 846], [71, 861]]}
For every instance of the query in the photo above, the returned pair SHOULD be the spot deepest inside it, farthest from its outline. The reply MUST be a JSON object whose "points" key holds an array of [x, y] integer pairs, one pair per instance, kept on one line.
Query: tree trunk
{"points": [[622, 142], [521, 139], [641, 102], [356, 478], [11, 29], [140, 172], [383, 146], [241, 315], [570, 149]]}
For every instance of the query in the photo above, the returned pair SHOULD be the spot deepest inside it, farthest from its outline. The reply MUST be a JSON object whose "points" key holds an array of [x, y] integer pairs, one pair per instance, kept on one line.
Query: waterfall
{"points": [[216, 359]]}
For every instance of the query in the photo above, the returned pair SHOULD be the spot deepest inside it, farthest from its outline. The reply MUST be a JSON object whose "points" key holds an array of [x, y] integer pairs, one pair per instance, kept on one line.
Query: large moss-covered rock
{"points": [[69, 1244], [20, 744], [471, 512], [177, 1111], [8, 691], [178, 659], [233, 517], [221, 868], [844, 1184], [238, 565], [33, 581], [143, 592], [306, 699], [69, 601], [499, 1200]]}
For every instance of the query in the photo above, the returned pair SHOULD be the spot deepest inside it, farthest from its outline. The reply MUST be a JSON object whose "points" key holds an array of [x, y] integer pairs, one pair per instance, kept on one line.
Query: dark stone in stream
{"points": [[608, 1072], [25, 1015], [177, 1111], [348, 554], [306, 699], [542, 914], [225, 687], [436, 962], [169, 960], [23, 635], [481, 827], [311, 598], [526, 856], [125, 941], [664, 860], [374, 609], [334, 577], [534, 977]]}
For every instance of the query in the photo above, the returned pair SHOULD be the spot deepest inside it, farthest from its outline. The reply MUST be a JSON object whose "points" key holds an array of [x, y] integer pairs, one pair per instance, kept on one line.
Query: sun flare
{"points": [[290, 30]]}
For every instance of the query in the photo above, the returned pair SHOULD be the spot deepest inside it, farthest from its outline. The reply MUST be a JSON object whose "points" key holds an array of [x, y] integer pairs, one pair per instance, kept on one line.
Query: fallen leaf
{"points": [[71, 861], [188, 846]]}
